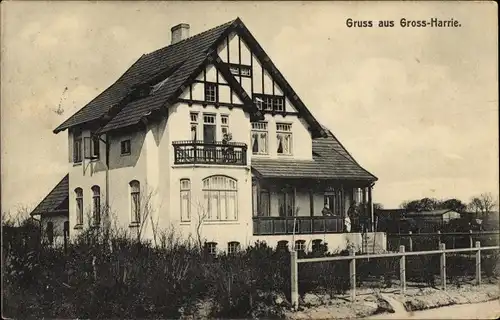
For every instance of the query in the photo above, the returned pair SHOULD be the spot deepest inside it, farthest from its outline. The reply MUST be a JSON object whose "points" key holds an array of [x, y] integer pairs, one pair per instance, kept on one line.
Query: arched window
{"points": [[96, 204], [79, 206], [185, 200], [220, 198], [135, 201], [50, 232]]}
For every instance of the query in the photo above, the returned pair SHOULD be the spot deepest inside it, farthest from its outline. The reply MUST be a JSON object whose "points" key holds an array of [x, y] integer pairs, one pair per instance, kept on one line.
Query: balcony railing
{"points": [[303, 225], [198, 152]]}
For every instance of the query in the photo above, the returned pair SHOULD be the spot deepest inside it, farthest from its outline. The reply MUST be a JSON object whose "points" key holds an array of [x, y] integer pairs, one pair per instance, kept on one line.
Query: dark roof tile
{"points": [[56, 200]]}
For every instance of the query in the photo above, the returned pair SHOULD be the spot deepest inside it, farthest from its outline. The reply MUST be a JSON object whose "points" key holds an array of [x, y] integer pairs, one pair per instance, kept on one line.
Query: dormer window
{"points": [[210, 92]]}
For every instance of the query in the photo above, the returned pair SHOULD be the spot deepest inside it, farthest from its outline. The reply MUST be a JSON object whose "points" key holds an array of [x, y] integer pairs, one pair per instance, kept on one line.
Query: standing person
{"points": [[326, 211], [347, 223], [352, 214]]}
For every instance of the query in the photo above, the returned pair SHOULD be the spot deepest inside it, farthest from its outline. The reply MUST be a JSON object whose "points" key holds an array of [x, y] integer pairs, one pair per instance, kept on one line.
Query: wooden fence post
{"points": [[478, 263], [402, 269], [442, 264], [470, 239], [411, 241], [352, 273], [294, 279], [439, 238]]}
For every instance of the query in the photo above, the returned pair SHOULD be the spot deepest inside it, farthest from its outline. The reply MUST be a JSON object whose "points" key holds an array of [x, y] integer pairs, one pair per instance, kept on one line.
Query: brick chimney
{"points": [[180, 32]]}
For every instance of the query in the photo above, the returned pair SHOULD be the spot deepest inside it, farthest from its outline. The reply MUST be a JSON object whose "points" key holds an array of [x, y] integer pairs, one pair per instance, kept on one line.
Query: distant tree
{"points": [[377, 206], [453, 204], [484, 203], [425, 204]]}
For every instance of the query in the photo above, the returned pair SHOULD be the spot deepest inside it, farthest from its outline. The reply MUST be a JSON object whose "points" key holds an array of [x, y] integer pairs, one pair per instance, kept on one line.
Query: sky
{"points": [[417, 107]]}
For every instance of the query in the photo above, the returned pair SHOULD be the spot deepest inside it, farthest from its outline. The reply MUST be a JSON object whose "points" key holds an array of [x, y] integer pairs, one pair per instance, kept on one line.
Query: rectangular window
{"points": [[210, 92], [194, 126], [211, 248], [258, 102], [286, 203], [246, 72], [77, 149], [224, 120], [136, 205], [233, 247], [259, 138], [185, 200], [269, 103], [278, 104], [95, 147], [265, 200], [235, 70], [125, 147], [284, 138]]}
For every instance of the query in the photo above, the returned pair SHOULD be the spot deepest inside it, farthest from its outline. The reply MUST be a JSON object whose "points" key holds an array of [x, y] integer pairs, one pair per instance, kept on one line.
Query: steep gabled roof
{"points": [[118, 106], [56, 200], [186, 55], [330, 161]]}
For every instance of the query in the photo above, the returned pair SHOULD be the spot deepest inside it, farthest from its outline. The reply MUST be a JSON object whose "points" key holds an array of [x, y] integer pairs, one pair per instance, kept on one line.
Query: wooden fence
{"points": [[453, 240], [402, 254]]}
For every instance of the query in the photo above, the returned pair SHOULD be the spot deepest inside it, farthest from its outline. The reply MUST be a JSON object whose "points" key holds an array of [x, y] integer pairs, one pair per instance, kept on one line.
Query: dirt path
{"points": [[484, 310]]}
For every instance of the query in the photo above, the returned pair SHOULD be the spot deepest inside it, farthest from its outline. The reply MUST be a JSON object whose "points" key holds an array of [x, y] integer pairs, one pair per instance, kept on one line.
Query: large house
{"points": [[206, 136]]}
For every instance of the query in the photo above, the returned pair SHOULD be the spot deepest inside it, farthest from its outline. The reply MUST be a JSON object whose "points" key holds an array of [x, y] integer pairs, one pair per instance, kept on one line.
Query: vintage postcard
{"points": [[249, 159]]}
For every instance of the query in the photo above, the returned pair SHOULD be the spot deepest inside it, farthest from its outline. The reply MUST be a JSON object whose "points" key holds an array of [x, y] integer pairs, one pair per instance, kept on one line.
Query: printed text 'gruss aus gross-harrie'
{"points": [[404, 23]]}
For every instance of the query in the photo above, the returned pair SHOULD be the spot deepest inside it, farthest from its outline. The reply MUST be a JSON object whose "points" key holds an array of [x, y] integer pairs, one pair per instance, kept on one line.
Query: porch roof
{"points": [[330, 161], [56, 202]]}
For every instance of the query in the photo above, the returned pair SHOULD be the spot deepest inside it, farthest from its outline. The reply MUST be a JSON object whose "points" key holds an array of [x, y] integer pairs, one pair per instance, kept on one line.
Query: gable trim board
{"points": [[123, 111]]}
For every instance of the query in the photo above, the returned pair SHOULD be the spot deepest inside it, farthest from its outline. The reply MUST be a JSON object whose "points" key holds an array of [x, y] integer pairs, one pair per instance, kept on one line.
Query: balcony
{"points": [[219, 153], [303, 225]]}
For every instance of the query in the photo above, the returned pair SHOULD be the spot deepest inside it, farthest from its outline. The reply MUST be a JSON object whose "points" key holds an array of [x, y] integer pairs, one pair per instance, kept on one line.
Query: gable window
{"points": [[279, 104], [125, 147], [284, 138], [135, 201], [269, 103], [220, 198], [246, 71], [286, 203], [234, 70], [233, 247], [50, 232], [77, 148], [259, 138], [185, 200], [240, 70], [79, 206], [194, 125], [210, 92], [96, 204]]}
